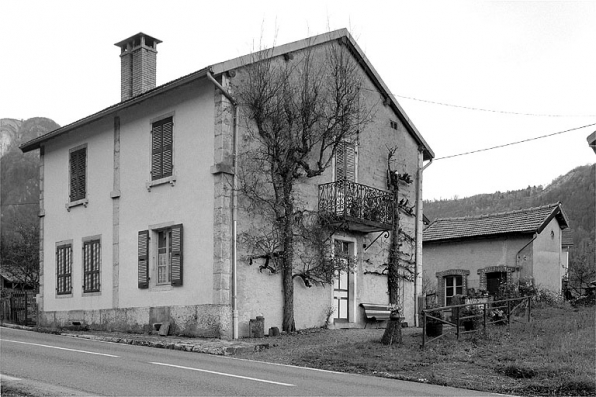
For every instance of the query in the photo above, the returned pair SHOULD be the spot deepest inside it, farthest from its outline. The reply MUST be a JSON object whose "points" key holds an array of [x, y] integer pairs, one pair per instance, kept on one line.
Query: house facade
{"points": [[483, 252], [138, 213]]}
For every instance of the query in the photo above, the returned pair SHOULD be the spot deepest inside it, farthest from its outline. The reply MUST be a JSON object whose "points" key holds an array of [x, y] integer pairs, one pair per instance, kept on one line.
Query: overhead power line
{"points": [[515, 143], [495, 111]]}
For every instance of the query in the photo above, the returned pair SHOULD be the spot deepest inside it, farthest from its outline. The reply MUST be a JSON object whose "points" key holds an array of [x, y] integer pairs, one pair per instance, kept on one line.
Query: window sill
{"points": [[84, 202], [170, 179], [162, 287], [62, 296], [92, 293]]}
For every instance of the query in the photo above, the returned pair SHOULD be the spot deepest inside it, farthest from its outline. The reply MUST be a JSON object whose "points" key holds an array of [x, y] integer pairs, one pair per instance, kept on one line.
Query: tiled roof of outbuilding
{"points": [[529, 220]]}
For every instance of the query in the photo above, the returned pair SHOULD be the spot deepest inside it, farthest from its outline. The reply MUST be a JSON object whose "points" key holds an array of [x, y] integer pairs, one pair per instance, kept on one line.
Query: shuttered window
{"points": [[345, 162], [91, 266], [64, 269], [162, 139], [168, 256], [143, 260], [78, 174]]}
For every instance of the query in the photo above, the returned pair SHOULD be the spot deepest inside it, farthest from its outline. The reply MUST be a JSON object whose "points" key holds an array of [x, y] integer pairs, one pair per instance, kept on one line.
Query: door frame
{"points": [[352, 278]]}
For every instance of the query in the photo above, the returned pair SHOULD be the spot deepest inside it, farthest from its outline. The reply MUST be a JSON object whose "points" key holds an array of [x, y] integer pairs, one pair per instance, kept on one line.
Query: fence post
{"points": [[457, 322], [485, 309], [26, 307], [529, 310], [423, 328], [509, 316]]}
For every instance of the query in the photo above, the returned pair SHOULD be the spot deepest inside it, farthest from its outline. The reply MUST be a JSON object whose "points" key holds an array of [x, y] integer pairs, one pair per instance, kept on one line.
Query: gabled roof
{"points": [[529, 220], [341, 34]]}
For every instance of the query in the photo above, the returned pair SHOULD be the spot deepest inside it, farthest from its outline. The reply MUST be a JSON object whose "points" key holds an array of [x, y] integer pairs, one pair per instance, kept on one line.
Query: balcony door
{"points": [[341, 284], [345, 162], [345, 172]]}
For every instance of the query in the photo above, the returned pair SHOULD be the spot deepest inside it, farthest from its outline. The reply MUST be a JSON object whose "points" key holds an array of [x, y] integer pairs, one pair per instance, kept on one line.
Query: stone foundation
{"points": [[205, 321]]}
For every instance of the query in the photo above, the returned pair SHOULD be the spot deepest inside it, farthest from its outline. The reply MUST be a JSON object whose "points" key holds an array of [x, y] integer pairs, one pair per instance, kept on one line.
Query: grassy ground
{"points": [[552, 355]]}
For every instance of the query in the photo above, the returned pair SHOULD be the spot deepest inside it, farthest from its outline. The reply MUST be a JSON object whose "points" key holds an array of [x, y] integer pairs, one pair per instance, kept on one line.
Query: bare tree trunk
{"points": [[393, 333], [288, 323]]}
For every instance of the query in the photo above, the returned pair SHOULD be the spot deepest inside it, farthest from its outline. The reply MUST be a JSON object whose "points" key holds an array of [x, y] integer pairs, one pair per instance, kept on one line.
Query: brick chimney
{"points": [[137, 63]]}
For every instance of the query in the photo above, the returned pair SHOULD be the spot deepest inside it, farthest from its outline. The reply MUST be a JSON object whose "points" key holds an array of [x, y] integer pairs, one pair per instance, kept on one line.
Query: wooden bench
{"points": [[375, 312]]}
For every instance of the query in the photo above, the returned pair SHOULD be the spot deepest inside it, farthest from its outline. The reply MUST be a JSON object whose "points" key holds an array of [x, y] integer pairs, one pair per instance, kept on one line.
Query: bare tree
{"points": [[582, 266], [19, 251], [299, 108], [401, 264]]}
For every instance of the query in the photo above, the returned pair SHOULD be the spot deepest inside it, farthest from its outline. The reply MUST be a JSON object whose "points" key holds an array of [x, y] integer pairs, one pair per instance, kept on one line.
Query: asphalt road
{"points": [[46, 364]]}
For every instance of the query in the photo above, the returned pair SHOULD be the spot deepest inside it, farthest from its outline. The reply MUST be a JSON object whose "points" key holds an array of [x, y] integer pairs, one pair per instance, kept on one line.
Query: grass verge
{"points": [[551, 356]]}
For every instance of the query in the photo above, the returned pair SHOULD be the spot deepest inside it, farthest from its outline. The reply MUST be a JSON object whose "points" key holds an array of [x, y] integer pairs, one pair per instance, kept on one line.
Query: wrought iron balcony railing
{"points": [[360, 207]]}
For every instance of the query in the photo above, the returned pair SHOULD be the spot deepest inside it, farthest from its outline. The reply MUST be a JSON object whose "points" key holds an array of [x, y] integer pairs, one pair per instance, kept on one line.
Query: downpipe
{"points": [[419, 231]]}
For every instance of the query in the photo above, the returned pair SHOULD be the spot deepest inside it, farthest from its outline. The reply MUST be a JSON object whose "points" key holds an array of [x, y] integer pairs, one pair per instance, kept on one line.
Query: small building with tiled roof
{"points": [[484, 251]]}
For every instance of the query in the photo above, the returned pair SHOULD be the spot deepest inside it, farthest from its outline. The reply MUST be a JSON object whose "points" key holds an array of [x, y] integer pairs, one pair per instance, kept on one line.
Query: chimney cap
{"points": [[136, 38]]}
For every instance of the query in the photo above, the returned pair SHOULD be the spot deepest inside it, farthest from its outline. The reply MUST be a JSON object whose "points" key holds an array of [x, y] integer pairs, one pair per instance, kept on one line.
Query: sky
{"points": [[469, 74]]}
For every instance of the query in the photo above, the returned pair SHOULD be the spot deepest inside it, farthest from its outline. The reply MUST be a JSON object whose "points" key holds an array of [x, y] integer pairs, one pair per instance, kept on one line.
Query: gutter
{"points": [[419, 230], [234, 203]]}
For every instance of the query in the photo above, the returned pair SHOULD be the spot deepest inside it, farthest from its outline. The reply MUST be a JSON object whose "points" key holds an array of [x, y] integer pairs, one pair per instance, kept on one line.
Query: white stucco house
{"points": [[136, 207]]}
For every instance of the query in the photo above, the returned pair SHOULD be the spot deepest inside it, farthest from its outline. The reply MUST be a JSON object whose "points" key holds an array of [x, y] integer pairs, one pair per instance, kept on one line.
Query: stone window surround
{"points": [[441, 282], [168, 179]]}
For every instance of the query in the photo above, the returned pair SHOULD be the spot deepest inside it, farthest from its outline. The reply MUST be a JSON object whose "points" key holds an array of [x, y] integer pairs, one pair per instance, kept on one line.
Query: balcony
{"points": [[356, 207]]}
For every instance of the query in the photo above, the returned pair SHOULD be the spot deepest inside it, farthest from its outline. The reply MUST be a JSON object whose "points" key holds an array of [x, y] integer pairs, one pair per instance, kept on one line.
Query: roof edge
{"points": [[35, 143], [244, 60]]}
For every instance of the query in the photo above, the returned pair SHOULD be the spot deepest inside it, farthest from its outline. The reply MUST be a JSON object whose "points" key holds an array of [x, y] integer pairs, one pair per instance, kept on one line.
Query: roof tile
{"points": [[527, 220]]}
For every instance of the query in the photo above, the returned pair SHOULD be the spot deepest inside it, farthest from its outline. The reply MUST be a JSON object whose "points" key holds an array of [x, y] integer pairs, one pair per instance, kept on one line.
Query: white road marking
{"points": [[6, 377], [224, 374], [288, 365], [59, 348]]}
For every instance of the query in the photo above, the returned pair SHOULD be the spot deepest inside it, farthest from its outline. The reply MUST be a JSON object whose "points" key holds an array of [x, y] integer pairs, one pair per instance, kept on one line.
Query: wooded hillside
{"points": [[575, 190]]}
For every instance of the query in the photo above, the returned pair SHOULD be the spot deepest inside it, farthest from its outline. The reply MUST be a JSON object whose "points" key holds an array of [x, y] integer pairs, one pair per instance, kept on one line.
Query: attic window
{"points": [[393, 124]]}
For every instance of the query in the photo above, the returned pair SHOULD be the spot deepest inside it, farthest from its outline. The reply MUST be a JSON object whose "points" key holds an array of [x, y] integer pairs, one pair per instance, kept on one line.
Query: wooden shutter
{"points": [[345, 162], [168, 138], [143, 262], [78, 174], [177, 239], [162, 138], [350, 162]]}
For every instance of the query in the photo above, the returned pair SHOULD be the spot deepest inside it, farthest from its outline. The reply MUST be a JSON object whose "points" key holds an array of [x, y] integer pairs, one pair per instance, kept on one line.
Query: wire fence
{"points": [[473, 317]]}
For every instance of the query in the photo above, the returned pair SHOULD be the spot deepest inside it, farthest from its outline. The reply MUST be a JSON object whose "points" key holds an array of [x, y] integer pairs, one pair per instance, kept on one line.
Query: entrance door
{"points": [[494, 281], [341, 285]]}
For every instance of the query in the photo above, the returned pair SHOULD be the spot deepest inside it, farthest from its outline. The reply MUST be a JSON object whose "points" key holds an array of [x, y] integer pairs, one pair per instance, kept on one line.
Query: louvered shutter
{"points": [[340, 162], [161, 148], [167, 135], [78, 163], [345, 162], [177, 240], [350, 163], [143, 262]]}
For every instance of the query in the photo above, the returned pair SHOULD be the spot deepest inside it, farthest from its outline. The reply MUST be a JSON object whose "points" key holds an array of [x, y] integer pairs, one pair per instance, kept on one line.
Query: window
{"points": [[164, 256], [453, 286], [345, 162], [168, 256], [64, 269], [91, 265], [78, 174], [162, 148]]}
